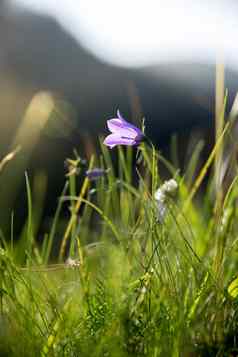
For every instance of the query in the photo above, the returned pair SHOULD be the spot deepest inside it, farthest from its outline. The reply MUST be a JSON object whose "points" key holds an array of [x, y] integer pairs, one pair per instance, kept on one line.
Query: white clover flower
{"points": [[159, 195], [161, 205], [168, 188]]}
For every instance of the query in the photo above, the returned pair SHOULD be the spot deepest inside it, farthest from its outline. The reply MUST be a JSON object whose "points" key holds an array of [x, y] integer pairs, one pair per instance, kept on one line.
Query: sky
{"points": [[142, 33]]}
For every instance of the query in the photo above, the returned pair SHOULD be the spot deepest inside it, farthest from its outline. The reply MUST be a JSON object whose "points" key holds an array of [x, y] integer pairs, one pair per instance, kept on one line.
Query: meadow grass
{"points": [[118, 279]]}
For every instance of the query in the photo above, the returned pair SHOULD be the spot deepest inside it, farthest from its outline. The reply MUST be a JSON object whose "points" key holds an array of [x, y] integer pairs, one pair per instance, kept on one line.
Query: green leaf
{"points": [[233, 288]]}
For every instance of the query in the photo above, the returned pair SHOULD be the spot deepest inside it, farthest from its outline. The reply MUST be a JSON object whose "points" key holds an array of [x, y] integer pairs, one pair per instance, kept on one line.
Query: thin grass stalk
{"points": [[30, 237], [101, 213], [219, 120], [48, 249], [205, 168], [74, 214], [72, 191]]}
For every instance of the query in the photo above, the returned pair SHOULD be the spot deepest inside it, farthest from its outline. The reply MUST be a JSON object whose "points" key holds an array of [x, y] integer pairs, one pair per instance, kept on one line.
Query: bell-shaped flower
{"points": [[122, 132]]}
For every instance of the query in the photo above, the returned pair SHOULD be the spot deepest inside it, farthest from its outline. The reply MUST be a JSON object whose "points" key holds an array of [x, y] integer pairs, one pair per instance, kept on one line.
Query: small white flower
{"points": [[159, 195], [168, 188], [161, 205]]}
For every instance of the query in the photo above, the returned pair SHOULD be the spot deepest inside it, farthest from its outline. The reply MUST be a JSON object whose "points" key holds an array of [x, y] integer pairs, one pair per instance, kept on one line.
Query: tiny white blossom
{"points": [[159, 195], [161, 205], [168, 188]]}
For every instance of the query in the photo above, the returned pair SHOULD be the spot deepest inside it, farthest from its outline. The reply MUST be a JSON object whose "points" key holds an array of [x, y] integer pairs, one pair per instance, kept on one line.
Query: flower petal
{"points": [[114, 139], [132, 131], [122, 128], [120, 116]]}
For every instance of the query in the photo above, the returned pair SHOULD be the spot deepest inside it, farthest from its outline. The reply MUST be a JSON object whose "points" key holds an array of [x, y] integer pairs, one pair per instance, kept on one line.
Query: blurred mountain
{"points": [[37, 54]]}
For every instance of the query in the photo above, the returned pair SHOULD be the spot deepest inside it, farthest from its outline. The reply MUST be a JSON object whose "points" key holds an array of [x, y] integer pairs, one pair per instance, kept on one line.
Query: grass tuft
{"points": [[125, 279]]}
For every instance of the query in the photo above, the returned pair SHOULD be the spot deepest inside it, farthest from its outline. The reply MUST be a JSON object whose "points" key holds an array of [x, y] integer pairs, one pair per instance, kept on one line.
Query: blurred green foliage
{"points": [[124, 283]]}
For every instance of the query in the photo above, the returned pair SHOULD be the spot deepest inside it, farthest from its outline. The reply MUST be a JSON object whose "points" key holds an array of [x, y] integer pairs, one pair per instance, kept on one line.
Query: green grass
{"points": [[142, 288]]}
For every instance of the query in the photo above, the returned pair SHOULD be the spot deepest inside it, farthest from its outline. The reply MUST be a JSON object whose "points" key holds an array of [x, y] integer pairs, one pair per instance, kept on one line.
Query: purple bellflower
{"points": [[122, 133]]}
